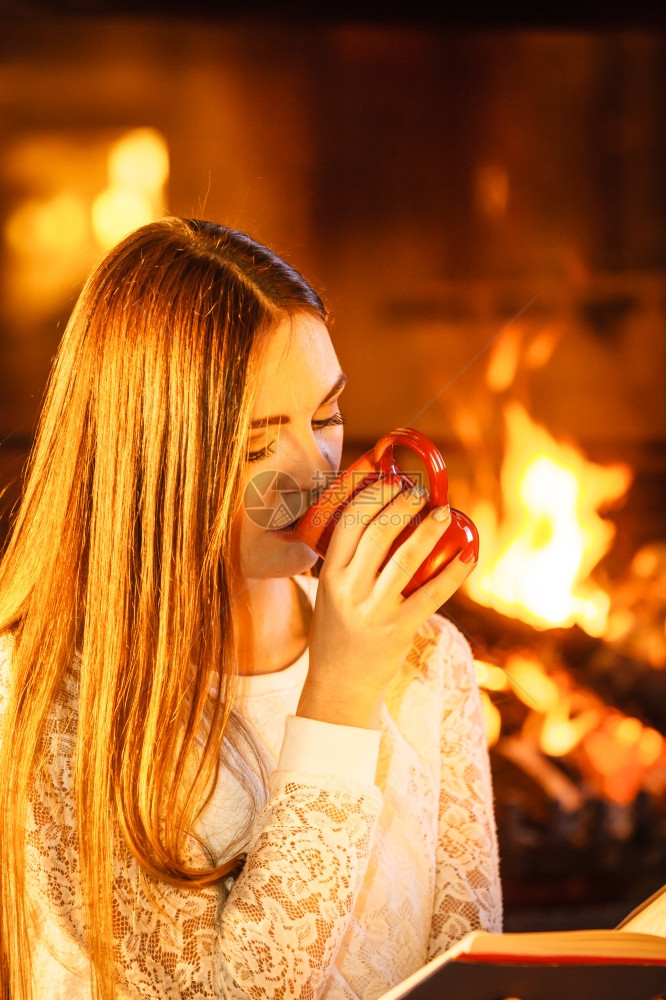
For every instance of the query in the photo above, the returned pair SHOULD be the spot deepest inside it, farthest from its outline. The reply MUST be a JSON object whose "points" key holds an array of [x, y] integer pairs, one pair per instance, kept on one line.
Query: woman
{"points": [[220, 777]]}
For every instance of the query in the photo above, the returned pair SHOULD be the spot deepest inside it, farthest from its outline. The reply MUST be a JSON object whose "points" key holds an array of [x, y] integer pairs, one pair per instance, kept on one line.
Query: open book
{"points": [[552, 965]]}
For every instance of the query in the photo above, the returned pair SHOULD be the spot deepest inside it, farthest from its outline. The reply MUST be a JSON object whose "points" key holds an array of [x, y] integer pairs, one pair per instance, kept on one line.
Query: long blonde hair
{"points": [[118, 569]]}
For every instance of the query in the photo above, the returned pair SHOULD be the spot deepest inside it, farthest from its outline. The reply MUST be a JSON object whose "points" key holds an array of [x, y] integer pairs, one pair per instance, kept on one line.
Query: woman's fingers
{"points": [[405, 561], [380, 534], [436, 592], [376, 516]]}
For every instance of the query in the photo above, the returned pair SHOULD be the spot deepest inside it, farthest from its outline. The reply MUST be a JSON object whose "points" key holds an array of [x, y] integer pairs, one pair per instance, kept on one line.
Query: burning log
{"points": [[578, 772], [629, 685], [569, 665]]}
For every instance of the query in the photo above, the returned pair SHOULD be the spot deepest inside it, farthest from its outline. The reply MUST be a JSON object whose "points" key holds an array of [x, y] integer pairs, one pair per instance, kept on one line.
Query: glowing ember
{"points": [[621, 751], [616, 753], [531, 683], [561, 732], [490, 676], [534, 565], [553, 721]]}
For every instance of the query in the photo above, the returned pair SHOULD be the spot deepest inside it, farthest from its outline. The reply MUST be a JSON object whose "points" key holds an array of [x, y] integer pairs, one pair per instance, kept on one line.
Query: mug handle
{"points": [[427, 452]]}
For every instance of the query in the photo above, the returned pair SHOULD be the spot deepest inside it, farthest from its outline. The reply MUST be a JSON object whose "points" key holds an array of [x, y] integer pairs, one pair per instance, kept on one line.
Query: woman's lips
{"points": [[287, 532]]}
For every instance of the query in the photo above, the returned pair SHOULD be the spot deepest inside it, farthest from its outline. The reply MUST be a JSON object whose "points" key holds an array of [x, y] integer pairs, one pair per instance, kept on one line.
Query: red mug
{"points": [[316, 525]]}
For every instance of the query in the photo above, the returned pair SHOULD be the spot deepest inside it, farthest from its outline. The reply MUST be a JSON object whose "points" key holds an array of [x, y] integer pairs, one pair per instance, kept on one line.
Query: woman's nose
{"points": [[312, 463]]}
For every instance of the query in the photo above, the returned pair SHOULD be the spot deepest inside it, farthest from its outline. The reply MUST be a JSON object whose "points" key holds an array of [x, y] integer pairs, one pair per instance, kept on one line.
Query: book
{"points": [[543, 965], [650, 915]]}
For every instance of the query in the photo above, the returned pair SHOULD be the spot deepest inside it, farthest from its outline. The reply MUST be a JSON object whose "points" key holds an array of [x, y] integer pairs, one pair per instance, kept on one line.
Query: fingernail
{"points": [[441, 513], [419, 491], [467, 554]]}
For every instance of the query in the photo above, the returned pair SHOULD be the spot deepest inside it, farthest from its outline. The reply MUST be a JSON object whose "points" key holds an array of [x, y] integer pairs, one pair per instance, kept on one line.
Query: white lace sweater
{"points": [[374, 852]]}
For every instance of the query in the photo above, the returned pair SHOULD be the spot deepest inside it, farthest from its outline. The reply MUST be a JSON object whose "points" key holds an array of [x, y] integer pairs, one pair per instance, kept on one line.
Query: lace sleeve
{"points": [[273, 935], [467, 889]]}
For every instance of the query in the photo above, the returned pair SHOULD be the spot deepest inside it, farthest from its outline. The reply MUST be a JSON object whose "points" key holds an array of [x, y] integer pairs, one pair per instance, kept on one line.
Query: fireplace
{"points": [[566, 610], [569, 641], [483, 210]]}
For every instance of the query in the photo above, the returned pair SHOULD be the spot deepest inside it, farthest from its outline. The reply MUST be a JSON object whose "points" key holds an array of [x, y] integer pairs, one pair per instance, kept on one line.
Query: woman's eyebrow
{"points": [[281, 419]]}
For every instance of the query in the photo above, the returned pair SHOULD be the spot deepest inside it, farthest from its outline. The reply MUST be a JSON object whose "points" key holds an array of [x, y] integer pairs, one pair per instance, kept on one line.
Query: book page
{"points": [[606, 944], [617, 948]]}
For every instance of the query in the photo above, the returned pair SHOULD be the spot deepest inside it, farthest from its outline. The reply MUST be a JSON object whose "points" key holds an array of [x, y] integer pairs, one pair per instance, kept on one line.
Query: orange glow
{"points": [[48, 240], [490, 676], [604, 752], [503, 362], [621, 751], [628, 732], [138, 167], [492, 719], [492, 190], [551, 721], [622, 786], [561, 733], [77, 193], [650, 747], [531, 684], [534, 565], [48, 226], [539, 351], [116, 212], [139, 161], [620, 623], [645, 563]]}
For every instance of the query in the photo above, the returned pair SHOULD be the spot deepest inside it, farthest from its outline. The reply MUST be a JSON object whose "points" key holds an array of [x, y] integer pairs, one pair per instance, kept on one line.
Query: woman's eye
{"points": [[269, 449], [259, 453], [337, 418]]}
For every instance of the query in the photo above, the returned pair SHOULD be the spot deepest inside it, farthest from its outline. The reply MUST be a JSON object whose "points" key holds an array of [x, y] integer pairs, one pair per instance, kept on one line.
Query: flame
{"points": [[561, 732], [490, 676], [621, 751], [492, 719], [553, 721], [503, 361], [138, 168], [535, 564], [616, 752], [531, 683]]}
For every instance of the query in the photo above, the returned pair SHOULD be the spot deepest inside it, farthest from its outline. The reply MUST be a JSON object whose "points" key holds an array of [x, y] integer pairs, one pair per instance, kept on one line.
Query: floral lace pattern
{"points": [[346, 889], [433, 873]]}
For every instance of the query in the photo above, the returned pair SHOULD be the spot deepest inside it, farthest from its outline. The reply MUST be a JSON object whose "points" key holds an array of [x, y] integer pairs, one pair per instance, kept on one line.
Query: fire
{"points": [[621, 751], [615, 753], [561, 733], [490, 677], [556, 722], [534, 565]]}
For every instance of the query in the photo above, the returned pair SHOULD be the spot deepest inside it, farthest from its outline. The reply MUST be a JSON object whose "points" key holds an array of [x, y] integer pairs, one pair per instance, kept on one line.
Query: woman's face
{"points": [[294, 447]]}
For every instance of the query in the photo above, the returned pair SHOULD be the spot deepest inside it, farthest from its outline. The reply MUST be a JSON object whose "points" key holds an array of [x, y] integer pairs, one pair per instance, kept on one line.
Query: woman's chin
{"points": [[291, 559]]}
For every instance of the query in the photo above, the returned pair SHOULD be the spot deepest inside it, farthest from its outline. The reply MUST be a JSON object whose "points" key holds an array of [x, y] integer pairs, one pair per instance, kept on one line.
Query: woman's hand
{"points": [[362, 626]]}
